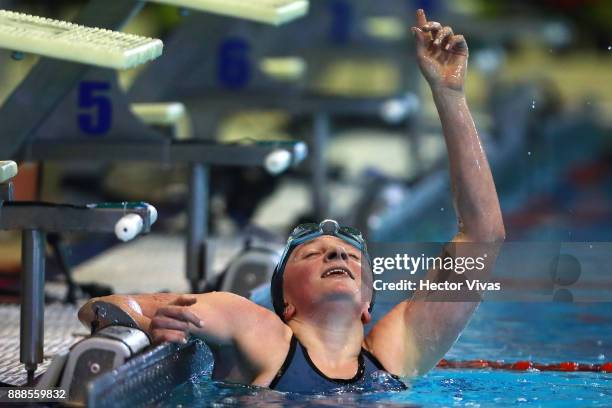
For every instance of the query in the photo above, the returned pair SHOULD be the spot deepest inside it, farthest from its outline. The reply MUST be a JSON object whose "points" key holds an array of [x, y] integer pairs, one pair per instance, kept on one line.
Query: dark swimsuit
{"points": [[299, 374]]}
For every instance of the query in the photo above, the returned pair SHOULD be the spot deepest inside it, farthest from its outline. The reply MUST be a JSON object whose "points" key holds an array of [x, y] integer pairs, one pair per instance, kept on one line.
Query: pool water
{"points": [[540, 332]]}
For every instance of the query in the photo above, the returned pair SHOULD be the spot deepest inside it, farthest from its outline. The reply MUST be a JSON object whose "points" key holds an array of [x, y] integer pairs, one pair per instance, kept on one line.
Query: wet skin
{"points": [[323, 274], [327, 313]]}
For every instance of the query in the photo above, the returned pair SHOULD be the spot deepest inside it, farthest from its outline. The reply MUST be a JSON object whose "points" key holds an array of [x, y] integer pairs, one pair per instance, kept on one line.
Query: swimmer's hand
{"points": [[175, 321], [441, 54]]}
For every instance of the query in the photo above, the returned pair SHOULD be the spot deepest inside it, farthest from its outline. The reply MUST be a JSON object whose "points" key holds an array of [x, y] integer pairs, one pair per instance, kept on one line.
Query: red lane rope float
{"points": [[566, 366]]}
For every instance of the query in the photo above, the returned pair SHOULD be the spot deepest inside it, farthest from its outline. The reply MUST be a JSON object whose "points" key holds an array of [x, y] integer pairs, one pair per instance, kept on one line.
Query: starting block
{"points": [[283, 68], [76, 43], [275, 12], [172, 114]]}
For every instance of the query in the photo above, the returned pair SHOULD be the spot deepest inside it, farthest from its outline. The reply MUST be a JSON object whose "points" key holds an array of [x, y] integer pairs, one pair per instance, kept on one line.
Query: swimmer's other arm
{"points": [[416, 334], [234, 327]]}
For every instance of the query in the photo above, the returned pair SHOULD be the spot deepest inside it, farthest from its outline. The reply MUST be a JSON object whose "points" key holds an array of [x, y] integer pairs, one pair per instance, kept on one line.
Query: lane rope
{"points": [[526, 365]]}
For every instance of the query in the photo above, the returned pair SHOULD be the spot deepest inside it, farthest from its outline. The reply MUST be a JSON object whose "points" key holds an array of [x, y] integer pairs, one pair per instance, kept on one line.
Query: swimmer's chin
{"points": [[339, 287], [342, 293]]}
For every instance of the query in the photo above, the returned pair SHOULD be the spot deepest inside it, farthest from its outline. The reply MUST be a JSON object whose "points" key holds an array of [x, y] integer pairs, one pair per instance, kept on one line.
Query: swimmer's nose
{"points": [[335, 253]]}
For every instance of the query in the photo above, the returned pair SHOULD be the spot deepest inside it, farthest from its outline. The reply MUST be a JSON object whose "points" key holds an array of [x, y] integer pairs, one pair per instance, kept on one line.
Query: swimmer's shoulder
{"points": [[259, 335], [241, 310]]}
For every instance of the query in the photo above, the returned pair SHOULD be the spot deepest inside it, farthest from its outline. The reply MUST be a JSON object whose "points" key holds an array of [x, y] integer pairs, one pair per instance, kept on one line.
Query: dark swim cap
{"points": [[307, 232]]}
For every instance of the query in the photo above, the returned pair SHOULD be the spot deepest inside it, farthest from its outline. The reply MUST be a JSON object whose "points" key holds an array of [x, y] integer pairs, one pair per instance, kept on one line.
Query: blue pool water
{"points": [[541, 332]]}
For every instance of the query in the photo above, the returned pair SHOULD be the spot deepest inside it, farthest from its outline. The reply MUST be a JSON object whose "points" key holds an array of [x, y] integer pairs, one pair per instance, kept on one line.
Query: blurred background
{"points": [[344, 80]]}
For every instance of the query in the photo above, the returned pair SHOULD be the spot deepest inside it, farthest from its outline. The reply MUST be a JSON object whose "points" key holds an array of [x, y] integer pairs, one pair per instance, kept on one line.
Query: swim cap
{"points": [[307, 232]]}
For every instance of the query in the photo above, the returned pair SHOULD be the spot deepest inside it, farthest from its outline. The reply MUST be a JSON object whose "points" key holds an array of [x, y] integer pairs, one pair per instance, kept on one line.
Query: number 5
{"points": [[99, 118]]}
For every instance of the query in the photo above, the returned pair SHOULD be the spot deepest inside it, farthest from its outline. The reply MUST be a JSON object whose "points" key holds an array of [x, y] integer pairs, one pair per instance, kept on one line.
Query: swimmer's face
{"points": [[326, 269]]}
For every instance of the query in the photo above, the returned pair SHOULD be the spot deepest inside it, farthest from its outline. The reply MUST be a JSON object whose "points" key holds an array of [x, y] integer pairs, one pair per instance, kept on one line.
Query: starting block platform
{"points": [[275, 12], [73, 42]]}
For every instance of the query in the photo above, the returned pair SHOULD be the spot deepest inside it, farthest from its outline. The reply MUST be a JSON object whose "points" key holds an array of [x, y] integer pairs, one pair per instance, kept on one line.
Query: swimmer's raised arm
{"points": [[417, 333]]}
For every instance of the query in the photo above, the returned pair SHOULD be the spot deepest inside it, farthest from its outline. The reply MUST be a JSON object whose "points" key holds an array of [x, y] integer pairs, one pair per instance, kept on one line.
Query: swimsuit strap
{"points": [[372, 359], [286, 363]]}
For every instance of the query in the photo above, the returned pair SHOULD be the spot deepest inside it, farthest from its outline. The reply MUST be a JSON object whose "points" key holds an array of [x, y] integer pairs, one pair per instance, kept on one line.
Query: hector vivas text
{"points": [[412, 264]]}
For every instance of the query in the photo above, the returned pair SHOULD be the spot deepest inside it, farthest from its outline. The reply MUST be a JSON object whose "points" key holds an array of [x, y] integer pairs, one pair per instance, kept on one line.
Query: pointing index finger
{"points": [[421, 20]]}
